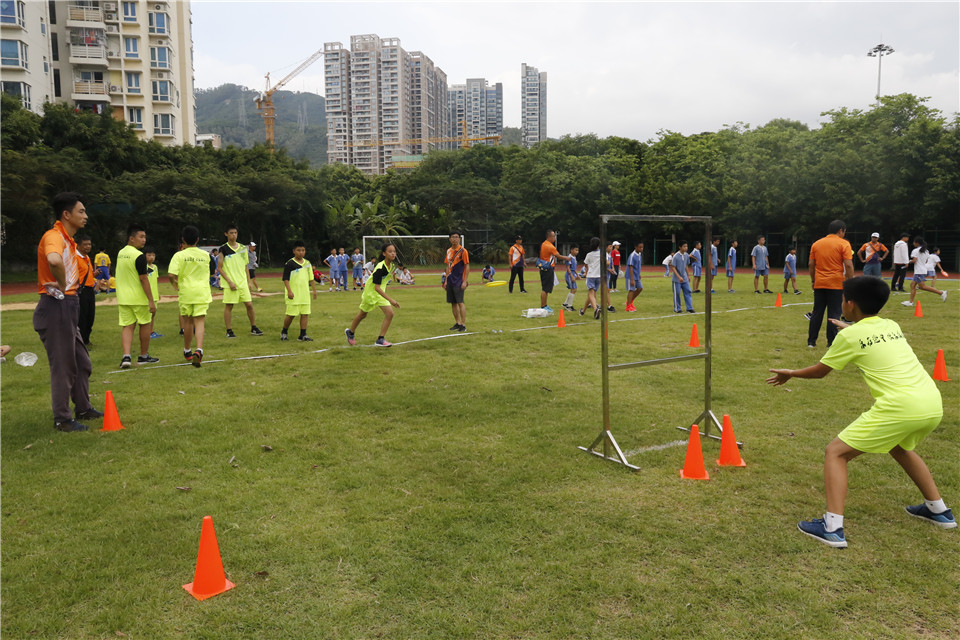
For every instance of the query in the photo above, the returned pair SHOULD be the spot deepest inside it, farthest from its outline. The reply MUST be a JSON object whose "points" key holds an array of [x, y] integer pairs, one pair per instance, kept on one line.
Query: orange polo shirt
{"points": [[57, 240], [829, 253], [516, 253], [548, 251]]}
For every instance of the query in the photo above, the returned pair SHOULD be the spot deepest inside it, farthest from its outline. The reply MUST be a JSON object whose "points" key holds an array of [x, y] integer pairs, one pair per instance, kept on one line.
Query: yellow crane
{"points": [[265, 101]]}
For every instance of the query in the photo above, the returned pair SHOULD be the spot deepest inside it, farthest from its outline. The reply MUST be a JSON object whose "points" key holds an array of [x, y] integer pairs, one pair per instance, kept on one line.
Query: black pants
{"points": [[88, 312], [829, 300], [516, 271], [56, 322], [614, 276], [899, 273]]}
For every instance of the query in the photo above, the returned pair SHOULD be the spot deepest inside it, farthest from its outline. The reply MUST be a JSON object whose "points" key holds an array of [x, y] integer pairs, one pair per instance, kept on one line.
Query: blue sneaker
{"points": [[817, 528], [944, 520], [547, 308], [156, 335]]}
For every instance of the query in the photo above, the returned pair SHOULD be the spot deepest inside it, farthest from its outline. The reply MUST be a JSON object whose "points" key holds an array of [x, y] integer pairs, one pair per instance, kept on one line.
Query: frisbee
{"points": [[496, 283]]}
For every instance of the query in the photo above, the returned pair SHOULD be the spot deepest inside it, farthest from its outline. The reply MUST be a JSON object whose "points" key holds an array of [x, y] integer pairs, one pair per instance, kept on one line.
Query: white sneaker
{"points": [[943, 296], [907, 303]]}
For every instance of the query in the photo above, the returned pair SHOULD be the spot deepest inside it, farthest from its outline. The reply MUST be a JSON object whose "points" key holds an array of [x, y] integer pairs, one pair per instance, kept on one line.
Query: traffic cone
{"points": [[940, 368], [693, 468], [694, 338], [561, 323], [779, 302], [918, 312], [729, 451], [209, 579], [111, 419]]}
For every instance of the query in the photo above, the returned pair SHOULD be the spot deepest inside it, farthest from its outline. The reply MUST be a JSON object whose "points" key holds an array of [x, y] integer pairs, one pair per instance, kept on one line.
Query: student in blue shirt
{"points": [[760, 257], [731, 266], [696, 263], [790, 271], [343, 267], [357, 260], [634, 286], [681, 279], [571, 277], [333, 263]]}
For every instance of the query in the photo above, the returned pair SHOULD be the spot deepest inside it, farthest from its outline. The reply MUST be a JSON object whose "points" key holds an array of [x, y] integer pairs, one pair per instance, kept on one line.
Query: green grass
{"points": [[435, 489]]}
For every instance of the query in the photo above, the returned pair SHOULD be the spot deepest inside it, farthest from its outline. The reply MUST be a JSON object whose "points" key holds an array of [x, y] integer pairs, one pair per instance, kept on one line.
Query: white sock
{"points": [[936, 506], [833, 521], [569, 300]]}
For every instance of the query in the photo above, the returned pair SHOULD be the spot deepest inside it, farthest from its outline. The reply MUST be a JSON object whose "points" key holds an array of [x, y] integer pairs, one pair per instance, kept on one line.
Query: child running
{"points": [[919, 258], [907, 407], [189, 273], [592, 262], [634, 285], [375, 295], [297, 278]]}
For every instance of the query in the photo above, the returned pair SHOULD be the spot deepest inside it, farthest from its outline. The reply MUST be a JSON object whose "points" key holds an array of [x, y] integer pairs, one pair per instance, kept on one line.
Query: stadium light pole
{"points": [[878, 52]]}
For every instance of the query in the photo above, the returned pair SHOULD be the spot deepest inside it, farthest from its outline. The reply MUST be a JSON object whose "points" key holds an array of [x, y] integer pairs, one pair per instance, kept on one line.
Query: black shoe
{"points": [[197, 358], [581, 311], [126, 362], [756, 291], [461, 328], [524, 290], [283, 336], [188, 356], [89, 414], [181, 332], [767, 291], [255, 331], [69, 425], [231, 334], [797, 292], [612, 309], [695, 291], [690, 311], [147, 359], [304, 338], [455, 327], [596, 313], [808, 315]]}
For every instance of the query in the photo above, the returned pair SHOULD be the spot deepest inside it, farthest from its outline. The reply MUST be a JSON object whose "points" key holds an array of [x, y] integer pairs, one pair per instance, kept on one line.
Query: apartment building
{"points": [[382, 102], [132, 58], [533, 98], [476, 109]]}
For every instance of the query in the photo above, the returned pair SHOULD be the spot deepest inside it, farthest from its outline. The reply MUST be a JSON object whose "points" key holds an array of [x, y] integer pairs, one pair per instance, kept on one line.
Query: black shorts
{"points": [[546, 280], [252, 272], [454, 295]]}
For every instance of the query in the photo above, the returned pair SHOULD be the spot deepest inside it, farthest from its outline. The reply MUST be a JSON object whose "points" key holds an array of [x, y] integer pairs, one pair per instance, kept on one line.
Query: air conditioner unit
{"points": [[113, 54], [114, 89], [158, 7], [109, 6], [110, 17], [112, 28], [162, 75]]}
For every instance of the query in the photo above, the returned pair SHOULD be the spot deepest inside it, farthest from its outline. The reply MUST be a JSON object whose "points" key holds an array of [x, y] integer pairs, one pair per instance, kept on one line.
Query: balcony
{"points": [[88, 54], [87, 90], [82, 16]]}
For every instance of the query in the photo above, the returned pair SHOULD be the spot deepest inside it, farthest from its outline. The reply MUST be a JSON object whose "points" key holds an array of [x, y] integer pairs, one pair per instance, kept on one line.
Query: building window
{"points": [[158, 23], [161, 90], [129, 11], [159, 57], [135, 117], [46, 65], [54, 47], [53, 12], [13, 53], [56, 83], [133, 82], [20, 90], [11, 12], [131, 47], [163, 124]]}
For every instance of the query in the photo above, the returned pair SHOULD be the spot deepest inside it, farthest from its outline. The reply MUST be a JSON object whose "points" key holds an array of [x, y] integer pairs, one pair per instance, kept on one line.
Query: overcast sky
{"points": [[616, 68]]}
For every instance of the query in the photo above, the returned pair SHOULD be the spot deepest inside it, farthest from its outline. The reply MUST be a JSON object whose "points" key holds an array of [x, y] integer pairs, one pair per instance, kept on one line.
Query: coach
{"points": [[831, 262]]}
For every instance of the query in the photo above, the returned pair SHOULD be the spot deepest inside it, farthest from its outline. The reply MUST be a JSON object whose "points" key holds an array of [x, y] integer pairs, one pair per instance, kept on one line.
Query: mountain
{"points": [[300, 128]]}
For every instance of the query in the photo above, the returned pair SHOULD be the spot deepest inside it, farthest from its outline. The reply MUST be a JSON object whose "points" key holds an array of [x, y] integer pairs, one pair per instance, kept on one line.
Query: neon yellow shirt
{"points": [[898, 382], [129, 289], [152, 275], [192, 268], [299, 274], [233, 263]]}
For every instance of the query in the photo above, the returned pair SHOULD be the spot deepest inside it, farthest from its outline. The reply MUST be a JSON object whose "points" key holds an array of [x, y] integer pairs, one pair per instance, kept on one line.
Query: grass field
{"points": [[435, 489]]}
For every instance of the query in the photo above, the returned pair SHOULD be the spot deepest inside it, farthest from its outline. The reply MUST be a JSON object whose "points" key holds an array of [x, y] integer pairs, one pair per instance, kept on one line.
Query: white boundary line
{"points": [[656, 447]]}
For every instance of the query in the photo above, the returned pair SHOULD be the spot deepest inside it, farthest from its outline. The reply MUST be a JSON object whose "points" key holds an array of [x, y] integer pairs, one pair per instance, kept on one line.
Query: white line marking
{"points": [[656, 447]]}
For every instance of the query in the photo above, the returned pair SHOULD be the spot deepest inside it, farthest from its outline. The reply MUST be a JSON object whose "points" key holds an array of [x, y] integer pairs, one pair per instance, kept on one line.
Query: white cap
{"points": [[874, 235], [616, 243], [253, 244]]}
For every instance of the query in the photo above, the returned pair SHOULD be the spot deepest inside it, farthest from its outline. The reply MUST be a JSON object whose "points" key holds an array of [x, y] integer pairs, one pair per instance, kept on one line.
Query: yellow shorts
{"points": [[242, 294], [134, 314], [297, 309], [367, 305], [193, 310], [873, 432]]}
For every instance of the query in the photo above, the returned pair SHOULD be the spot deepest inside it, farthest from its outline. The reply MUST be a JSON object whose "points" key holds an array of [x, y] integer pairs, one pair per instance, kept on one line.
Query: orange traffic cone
{"points": [[561, 323], [940, 368], [694, 338], [111, 419], [918, 312], [693, 468], [779, 302], [729, 452], [209, 579]]}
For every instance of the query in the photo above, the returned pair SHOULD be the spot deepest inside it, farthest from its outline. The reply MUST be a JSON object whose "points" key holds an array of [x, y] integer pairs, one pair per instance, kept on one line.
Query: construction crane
{"points": [[265, 101]]}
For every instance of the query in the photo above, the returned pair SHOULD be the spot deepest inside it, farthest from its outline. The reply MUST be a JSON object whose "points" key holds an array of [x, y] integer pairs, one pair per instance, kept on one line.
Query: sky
{"points": [[628, 69]]}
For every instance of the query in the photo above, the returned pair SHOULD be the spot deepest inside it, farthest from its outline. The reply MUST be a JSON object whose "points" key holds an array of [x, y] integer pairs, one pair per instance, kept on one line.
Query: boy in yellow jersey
{"points": [[907, 407], [101, 262], [134, 299], [153, 274], [189, 273], [233, 265], [297, 277]]}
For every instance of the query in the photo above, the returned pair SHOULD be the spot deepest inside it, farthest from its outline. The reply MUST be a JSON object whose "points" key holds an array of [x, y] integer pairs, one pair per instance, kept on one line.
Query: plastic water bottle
{"points": [[55, 292]]}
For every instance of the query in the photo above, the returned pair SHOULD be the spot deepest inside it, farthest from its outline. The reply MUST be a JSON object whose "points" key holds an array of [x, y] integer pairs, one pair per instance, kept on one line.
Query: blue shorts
{"points": [[634, 285], [761, 272], [357, 272], [919, 279], [931, 274], [593, 284], [104, 272], [787, 275], [713, 271], [571, 283], [697, 270], [729, 273]]}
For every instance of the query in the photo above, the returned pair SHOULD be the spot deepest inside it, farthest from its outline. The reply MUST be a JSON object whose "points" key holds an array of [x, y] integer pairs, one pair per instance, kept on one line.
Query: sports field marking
{"points": [[656, 447]]}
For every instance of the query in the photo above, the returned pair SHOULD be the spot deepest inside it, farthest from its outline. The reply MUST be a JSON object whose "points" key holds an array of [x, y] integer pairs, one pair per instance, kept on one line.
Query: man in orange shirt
{"points": [[516, 254], [59, 273], [872, 254], [87, 292], [831, 262], [548, 259]]}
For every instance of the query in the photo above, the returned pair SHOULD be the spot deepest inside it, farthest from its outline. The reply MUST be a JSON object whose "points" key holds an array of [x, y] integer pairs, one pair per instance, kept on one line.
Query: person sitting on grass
{"points": [[189, 273], [907, 407], [487, 274], [375, 295], [298, 280]]}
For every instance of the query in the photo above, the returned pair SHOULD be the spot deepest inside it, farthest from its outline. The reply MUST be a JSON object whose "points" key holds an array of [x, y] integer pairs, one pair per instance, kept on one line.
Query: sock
{"points": [[187, 352], [303, 332], [833, 521], [200, 351], [283, 331], [379, 337], [569, 300], [937, 506]]}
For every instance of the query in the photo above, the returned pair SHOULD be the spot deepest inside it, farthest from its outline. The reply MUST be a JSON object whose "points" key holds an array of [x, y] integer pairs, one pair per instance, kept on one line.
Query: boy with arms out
{"points": [[297, 277], [907, 407], [134, 299], [233, 265], [634, 285], [457, 271], [188, 273], [760, 257], [790, 271]]}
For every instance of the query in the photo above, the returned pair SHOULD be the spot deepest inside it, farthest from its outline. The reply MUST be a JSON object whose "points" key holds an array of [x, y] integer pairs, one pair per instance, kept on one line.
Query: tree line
{"points": [[892, 168]]}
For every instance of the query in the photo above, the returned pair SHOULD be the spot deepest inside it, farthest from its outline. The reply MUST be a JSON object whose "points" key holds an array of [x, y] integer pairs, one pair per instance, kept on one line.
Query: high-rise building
{"points": [[132, 58], [382, 102], [480, 106], [533, 98]]}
